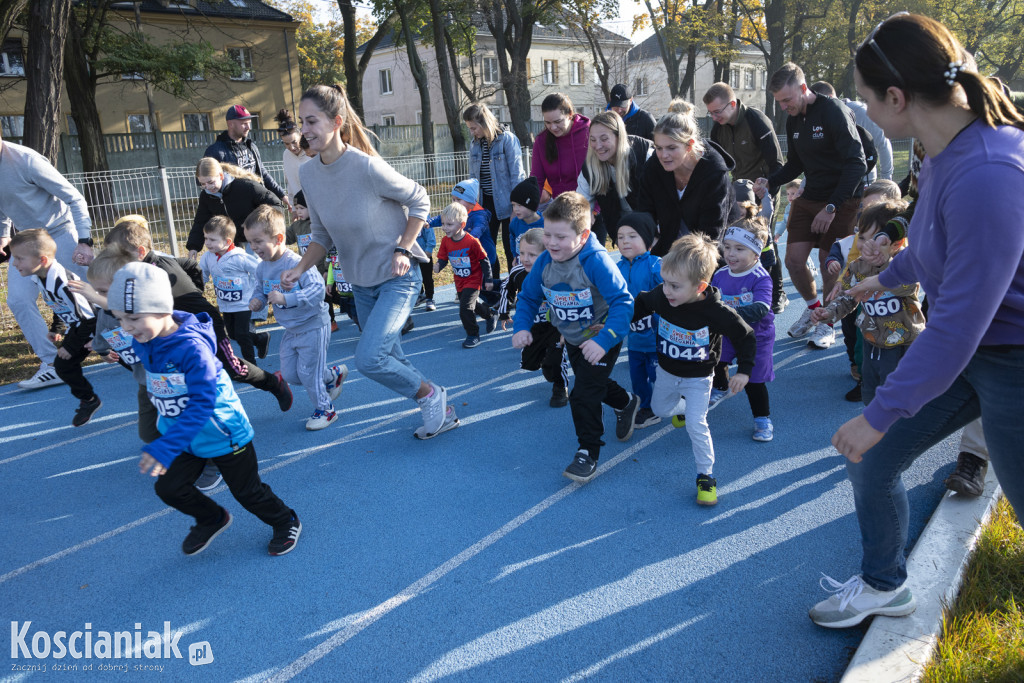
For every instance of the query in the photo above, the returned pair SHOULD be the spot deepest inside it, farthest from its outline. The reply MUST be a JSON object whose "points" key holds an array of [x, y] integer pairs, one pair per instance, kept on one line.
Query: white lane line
{"points": [[418, 587], [94, 467], [65, 443], [105, 418]]}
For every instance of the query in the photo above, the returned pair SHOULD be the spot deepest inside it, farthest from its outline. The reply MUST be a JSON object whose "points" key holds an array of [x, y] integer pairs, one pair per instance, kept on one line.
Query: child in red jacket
{"points": [[471, 267]]}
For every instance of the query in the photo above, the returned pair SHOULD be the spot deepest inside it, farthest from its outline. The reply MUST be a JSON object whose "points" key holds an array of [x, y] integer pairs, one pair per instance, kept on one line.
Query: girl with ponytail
{"points": [[966, 248]]}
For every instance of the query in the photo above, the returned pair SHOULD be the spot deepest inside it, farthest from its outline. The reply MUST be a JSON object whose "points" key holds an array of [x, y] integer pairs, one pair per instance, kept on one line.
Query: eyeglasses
{"points": [[870, 42], [718, 112]]}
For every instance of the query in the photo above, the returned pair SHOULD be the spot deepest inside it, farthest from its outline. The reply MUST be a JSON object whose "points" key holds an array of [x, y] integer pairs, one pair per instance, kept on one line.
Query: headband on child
{"points": [[744, 237]]}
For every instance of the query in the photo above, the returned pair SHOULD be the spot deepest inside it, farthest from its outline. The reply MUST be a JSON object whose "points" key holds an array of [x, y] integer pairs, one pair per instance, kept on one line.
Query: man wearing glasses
{"points": [[749, 136], [825, 147]]}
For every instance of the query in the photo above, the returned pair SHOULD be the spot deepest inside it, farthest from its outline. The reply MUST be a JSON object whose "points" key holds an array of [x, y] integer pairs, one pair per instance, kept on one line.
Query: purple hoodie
{"points": [[966, 248], [564, 171]]}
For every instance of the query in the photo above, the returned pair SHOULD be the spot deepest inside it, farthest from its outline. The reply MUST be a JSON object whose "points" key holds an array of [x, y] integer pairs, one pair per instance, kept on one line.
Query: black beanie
{"points": [[642, 223], [527, 193], [300, 199]]}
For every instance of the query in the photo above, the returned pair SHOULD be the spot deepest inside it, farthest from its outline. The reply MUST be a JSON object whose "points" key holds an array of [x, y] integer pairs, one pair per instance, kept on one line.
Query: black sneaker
{"points": [[285, 537], [968, 479], [492, 322], [559, 397], [210, 477], [262, 343], [582, 468], [472, 341], [854, 395], [283, 392], [625, 419], [645, 417], [86, 409], [201, 535], [409, 324]]}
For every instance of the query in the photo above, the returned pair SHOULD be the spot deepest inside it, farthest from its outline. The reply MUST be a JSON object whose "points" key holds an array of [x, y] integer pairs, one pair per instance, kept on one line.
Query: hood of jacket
{"points": [[197, 327]]}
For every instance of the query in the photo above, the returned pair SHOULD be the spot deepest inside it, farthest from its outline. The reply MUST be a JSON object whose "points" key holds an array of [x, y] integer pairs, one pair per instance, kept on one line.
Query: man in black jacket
{"points": [[825, 147], [234, 146], [749, 137], [638, 121]]}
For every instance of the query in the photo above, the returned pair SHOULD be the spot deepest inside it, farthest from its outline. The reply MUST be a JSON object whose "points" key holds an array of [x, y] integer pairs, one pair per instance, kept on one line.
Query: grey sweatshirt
{"points": [[304, 307], [360, 205], [33, 194]]}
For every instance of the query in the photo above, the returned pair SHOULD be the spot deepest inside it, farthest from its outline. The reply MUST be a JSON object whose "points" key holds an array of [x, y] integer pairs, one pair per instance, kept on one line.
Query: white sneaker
{"points": [[45, 376], [433, 409], [803, 325], [321, 419], [824, 336], [854, 601], [340, 372]]}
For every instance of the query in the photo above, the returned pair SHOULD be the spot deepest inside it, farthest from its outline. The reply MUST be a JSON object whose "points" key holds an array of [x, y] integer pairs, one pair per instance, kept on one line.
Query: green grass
{"points": [[983, 632]]}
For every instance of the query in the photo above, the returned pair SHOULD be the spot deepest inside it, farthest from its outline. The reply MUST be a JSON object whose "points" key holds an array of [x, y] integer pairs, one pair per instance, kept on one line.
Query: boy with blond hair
{"points": [[471, 268], [590, 305]]}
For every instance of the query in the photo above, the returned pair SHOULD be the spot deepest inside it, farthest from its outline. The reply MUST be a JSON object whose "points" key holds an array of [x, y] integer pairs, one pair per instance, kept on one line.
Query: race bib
{"points": [[734, 300], [542, 313], [272, 286], [641, 325], [303, 242], [571, 306], [168, 392], [883, 305], [332, 256], [121, 342], [228, 289], [64, 312], [679, 343], [340, 283], [461, 265]]}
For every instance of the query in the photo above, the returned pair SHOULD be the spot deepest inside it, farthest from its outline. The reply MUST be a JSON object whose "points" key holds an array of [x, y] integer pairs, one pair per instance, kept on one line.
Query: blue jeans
{"points": [[383, 310], [986, 387], [642, 373]]}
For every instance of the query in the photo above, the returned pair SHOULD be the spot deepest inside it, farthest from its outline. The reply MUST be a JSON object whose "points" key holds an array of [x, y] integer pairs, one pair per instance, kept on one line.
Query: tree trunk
{"points": [[47, 30], [513, 37], [451, 106], [775, 19], [419, 74], [355, 66]]}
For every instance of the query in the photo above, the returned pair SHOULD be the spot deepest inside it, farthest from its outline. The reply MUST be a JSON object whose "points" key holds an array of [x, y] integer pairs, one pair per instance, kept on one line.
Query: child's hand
{"points": [[149, 464], [521, 339], [54, 337], [85, 289], [437, 268], [837, 289], [111, 357], [738, 381], [63, 353], [592, 351], [834, 267], [489, 286], [255, 304], [820, 315], [276, 298], [504, 324]]}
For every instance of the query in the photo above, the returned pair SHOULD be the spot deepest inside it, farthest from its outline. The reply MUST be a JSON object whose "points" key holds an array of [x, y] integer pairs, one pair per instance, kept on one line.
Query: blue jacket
{"points": [[642, 275], [506, 169], [199, 410], [478, 224], [598, 268], [427, 239]]}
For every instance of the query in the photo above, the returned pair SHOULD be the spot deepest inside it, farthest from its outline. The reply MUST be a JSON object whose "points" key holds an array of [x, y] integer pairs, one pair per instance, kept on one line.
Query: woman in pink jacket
{"points": [[561, 149]]}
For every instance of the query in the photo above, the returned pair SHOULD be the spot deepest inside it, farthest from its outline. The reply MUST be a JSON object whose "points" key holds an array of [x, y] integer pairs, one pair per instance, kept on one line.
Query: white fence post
{"points": [[165, 191]]}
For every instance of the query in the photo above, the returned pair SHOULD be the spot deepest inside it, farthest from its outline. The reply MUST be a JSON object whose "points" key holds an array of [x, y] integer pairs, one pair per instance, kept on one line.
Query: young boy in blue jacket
{"points": [[642, 271], [590, 304], [200, 415]]}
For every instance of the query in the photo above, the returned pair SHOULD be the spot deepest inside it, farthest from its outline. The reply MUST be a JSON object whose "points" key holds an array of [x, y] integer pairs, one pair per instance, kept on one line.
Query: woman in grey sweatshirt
{"points": [[372, 215]]}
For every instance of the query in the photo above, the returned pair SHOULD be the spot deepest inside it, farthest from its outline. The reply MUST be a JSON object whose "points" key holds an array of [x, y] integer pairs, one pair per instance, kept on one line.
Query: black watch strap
{"points": [[403, 250], [87, 241]]}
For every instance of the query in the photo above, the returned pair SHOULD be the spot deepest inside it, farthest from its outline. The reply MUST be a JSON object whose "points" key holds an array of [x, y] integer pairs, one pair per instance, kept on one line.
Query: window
{"points": [[550, 71], [12, 126], [196, 122], [388, 120], [12, 63], [734, 78], [490, 67], [764, 80], [640, 87], [385, 82], [575, 73], [139, 123], [237, 3], [243, 57], [254, 122], [748, 79], [419, 117]]}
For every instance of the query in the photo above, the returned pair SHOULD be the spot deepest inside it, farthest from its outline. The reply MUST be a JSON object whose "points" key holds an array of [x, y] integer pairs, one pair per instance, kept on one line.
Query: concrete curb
{"points": [[897, 649]]}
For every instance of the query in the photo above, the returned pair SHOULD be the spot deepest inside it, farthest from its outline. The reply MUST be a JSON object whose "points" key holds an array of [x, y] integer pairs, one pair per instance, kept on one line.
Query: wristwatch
{"points": [[830, 208], [403, 250], [87, 241]]}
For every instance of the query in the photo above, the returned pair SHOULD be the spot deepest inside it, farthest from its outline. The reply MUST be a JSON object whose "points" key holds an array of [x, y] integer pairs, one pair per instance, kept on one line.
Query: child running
{"points": [[302, 312], [892, 319], [233, 272], [642, 271], [690, 321], [34, 252], [200, 414], [547, 351], [746, 286], [525, 198], [471, 268], [590, 305]]}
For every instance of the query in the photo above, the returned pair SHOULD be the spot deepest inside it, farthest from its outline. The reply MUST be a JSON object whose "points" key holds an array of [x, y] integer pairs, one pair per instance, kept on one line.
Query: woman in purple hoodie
{"points": [[560, 150], [966, 248]]}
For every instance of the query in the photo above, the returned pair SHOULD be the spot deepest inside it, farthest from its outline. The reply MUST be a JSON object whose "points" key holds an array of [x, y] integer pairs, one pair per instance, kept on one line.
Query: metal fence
{"points": [[169, 197]]}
